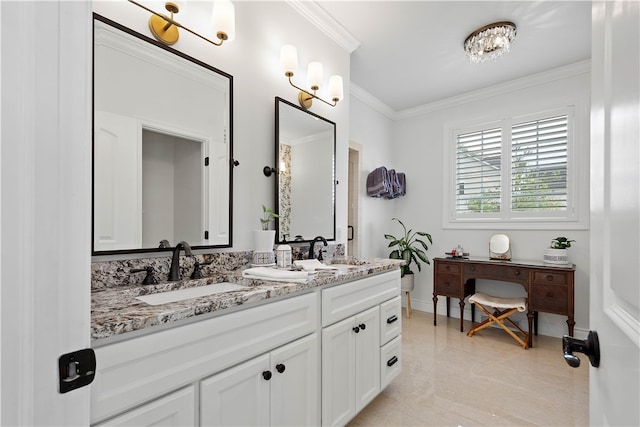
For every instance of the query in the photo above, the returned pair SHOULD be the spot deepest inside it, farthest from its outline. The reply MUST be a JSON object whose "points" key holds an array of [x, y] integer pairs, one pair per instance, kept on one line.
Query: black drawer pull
{"points": [[356, 329], [392, 361], [280, 367], [266, 375], [392, 319], [363, 326]]}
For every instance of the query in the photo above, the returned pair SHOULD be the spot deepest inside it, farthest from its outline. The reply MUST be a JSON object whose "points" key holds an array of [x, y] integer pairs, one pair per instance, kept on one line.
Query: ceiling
{"points": [[410, 52]]}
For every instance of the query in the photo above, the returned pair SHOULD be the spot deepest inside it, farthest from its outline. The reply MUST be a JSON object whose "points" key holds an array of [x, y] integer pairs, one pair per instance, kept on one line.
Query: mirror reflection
{"points": [[305, 188], [161, 146]]}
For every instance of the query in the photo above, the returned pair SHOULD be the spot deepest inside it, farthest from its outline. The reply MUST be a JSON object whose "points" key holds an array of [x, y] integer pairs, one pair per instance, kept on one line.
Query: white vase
{"points": [[263, 240], [407, 282], [556, 256]]}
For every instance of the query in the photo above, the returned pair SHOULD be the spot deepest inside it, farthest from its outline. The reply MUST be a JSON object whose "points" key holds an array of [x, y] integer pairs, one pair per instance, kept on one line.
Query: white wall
{"points": [[253, 59], [414, 145]]}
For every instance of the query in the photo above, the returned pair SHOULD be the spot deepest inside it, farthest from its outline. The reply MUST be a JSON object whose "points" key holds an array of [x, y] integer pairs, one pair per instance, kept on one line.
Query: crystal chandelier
{"points": [[490, 42]]}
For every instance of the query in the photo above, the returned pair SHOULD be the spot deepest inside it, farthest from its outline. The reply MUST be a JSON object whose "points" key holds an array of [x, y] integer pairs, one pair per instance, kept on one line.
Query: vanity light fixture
{"points": [[165, 28], [289, 62], [490, 42]]}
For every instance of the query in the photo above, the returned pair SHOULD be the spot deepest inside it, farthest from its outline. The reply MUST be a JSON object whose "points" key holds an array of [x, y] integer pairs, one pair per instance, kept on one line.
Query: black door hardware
{"points": [[590, 347], [392, 319], [351, 232], [266, 375], [392, 361], [76, 369], [280, 367]]}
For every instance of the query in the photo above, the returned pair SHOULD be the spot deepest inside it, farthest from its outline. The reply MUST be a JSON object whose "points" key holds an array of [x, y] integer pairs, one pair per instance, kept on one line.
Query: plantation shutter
{"points": [[539, 165], [478, 165]]}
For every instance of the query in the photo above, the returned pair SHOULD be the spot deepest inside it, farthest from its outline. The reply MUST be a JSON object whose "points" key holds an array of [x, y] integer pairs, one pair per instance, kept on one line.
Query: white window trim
{"points": [[577, 176]]}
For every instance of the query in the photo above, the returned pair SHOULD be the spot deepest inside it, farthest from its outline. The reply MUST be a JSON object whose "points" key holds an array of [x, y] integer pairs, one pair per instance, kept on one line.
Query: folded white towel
{"points": [[312, 265], [266, 273], [497, 302]]}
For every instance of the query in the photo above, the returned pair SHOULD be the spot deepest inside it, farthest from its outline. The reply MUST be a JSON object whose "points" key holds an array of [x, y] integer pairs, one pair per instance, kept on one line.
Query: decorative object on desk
{"points": [[283, 256], [457, 252], [412, 250], [557, 253], [500, 247]]}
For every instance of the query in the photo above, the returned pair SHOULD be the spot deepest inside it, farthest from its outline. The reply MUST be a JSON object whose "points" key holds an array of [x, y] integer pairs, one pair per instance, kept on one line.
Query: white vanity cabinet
{"points": [[134, 373], [280, 388], [357, 320]]}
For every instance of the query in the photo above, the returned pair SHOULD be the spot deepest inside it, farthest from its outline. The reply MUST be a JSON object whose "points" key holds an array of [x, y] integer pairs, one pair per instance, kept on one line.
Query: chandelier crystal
{"points": [[490, 42]]}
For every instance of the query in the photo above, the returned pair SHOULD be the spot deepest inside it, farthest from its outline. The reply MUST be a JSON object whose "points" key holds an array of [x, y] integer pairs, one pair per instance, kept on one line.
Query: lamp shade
{"points": [[314, 75], [336, 91], [224, 18], [289, 59]]}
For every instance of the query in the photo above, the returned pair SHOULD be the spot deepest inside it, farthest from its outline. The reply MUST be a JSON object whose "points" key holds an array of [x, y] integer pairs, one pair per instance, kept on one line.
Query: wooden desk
{"points": [[550, 289]]}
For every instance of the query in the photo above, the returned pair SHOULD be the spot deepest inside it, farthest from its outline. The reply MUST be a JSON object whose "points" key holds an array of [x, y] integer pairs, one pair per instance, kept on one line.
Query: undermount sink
{"points": [[188, 293]]}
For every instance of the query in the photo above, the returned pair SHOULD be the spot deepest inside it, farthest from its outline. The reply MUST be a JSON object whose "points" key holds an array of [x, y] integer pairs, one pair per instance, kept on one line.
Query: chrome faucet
{"points": [[312, 244], [174, 272]]}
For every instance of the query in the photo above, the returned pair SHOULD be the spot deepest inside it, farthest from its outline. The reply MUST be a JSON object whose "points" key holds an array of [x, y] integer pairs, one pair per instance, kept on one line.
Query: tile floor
{"points": [[450, 379]]}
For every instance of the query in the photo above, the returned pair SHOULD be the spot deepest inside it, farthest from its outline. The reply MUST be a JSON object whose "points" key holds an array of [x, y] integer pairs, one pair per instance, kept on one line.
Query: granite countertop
{"points": [[116, 311]]}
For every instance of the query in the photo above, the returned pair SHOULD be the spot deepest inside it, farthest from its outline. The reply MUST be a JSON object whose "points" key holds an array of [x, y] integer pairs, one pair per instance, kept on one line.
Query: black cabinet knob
{"points": [[280, 367], [266, 375], [356, 329], [363, 326]]}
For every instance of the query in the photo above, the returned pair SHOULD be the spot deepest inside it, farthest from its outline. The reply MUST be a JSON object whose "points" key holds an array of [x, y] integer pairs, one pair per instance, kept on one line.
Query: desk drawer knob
{"points": [[517, 273], [447, 267], [550, 277], [446, 284], [549, 294]]}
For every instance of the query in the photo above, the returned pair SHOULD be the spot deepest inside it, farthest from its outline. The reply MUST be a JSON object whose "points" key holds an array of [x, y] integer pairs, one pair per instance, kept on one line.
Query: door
{"points": [[338, 372], [295, 400], [353, 199], [367, 364], [615, 212], [45, 207], [238, 396]]}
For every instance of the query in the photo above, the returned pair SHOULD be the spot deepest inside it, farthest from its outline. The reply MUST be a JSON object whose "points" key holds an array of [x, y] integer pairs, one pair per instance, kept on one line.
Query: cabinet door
{"points": [[295, 397], [367, 357], [175, 409], [238, 396], [338, 373]]}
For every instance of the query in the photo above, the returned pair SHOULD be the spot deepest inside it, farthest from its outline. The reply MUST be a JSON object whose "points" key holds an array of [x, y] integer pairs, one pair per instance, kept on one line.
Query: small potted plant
{"points": [[263, 239], [557, 252], [412, 249]]}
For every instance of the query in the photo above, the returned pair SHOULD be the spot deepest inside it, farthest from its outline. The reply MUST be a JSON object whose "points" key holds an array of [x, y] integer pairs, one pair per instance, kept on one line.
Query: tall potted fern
{"points": [[412, 248]]}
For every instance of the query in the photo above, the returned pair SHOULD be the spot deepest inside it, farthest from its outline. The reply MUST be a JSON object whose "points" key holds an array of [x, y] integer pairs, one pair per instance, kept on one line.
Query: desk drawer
{"points": [[448, 284], [496, 272], [549, 299], [449, 268], [549, 277]]}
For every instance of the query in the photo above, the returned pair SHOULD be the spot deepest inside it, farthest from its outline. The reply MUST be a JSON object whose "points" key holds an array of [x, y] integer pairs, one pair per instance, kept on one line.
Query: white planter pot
{"points": [[407, 283], [263, 240], [556, 256]]}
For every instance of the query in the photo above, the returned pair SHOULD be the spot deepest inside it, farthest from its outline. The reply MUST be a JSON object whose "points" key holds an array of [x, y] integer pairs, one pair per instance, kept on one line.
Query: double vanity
{"points": [[259, 353]]}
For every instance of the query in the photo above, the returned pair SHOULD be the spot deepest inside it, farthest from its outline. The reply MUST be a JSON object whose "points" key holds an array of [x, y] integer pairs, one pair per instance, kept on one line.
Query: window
{"points": [[516, 170]]}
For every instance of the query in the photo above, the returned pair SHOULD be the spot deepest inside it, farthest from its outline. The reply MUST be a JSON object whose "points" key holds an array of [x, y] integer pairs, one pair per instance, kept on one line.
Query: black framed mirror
{"points": [[305, 147], [162, 146]]}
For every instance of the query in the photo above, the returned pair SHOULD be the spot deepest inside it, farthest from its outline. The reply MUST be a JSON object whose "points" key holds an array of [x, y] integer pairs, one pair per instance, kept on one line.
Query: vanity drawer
{"points": [[390, 361], [448, 268], [496, 272], [549, 299], [448, 284], [549, 277], [390, 319], [342, 301]]}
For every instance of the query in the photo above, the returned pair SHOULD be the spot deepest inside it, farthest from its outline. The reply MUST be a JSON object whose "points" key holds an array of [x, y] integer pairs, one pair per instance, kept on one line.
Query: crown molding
{"points": [[373, 102], [326, 23], [559, 73]]}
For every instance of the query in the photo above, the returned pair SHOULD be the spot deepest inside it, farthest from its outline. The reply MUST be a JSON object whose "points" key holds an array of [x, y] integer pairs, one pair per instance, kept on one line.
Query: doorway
{"points": [[353, 214]]}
